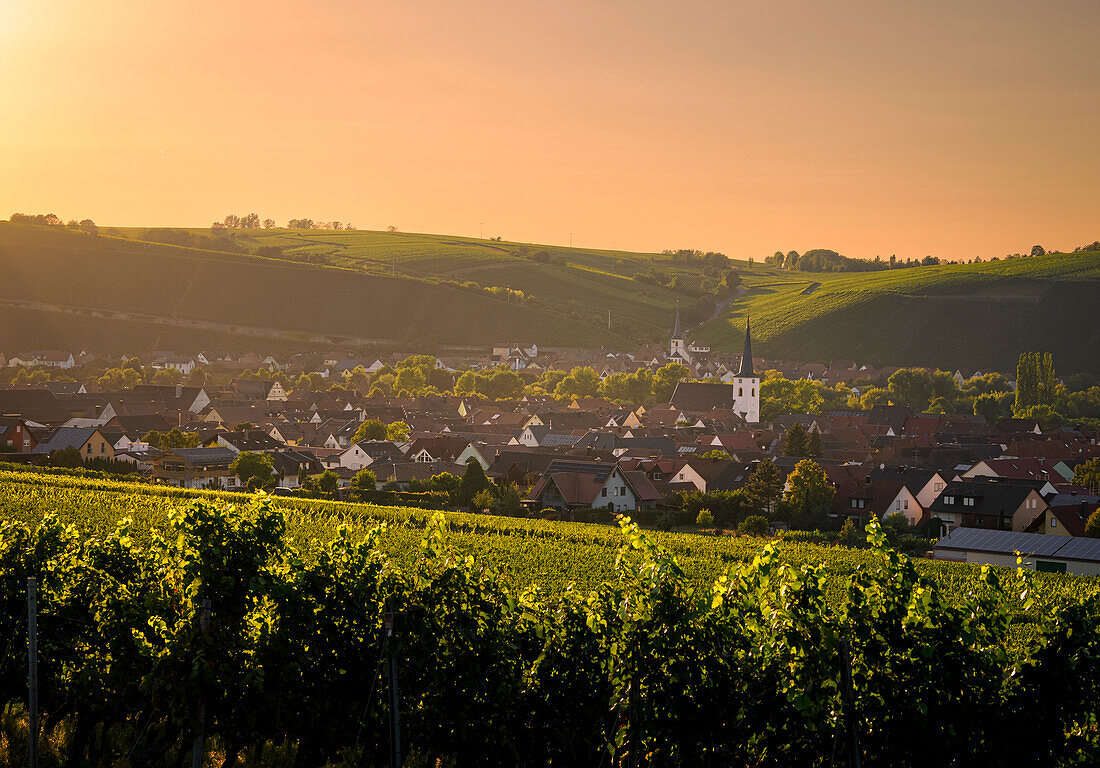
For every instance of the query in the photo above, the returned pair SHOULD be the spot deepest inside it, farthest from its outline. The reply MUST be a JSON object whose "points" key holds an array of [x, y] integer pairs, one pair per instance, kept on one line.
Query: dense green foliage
{"points": [[741, 668]]}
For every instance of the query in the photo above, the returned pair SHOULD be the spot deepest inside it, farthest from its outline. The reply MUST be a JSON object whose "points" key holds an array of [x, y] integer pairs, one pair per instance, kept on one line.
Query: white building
{"points": [[746, 385]]}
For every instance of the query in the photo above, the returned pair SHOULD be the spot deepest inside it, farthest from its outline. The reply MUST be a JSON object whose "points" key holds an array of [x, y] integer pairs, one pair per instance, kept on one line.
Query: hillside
{"points": [[324, 287], [956, 315], [299, 289]]}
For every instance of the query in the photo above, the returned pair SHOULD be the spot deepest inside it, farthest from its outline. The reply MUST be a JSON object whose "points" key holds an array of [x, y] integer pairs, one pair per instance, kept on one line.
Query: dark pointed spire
{"points": [[677, 331], [746, 372]]}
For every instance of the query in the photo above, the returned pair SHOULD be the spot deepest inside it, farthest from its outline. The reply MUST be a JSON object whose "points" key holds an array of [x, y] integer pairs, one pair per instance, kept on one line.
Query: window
{"points": [[897, 505], [968, 501], [1053, 521], [622, 491], [754, 391], [603, 492], [858, 503], [937, 487], [740, 391], [657, 475], [948, 499]]}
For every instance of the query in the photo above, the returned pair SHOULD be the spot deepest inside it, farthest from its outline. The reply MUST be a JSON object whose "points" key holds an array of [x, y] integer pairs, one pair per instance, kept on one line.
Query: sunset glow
{"points": [[957, 129]]}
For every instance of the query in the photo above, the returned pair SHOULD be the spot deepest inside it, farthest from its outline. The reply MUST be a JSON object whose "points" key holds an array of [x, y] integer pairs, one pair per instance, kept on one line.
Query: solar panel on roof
{"points": [[1080, 548], [1005, 542]]}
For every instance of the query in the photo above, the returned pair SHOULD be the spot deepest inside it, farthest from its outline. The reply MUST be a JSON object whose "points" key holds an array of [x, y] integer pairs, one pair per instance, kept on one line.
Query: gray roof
{"points": [[65, 437], [204, 455], [745, 371], [558, 439], [1028, 544]]}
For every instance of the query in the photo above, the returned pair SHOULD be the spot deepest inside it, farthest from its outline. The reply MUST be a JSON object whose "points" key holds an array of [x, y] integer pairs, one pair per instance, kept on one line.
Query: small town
{"points": [[676, 438]]}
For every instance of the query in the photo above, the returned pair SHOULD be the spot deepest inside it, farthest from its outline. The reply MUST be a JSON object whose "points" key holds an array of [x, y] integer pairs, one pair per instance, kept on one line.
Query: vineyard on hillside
{"points": [[980, 315], [267, 618]]}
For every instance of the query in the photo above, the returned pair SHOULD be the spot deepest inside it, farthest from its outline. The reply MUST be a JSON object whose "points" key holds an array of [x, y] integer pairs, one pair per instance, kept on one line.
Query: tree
{"points": [[269, 223], [1038, 250], [764, 487], [303, 475], [794, 442], [508, 501], [988, 406], [717, 453], [581, 382], [397, 431], [814, 449], [1092, 527], [704, 519], [364, 480], [809, 495], [1087, 475], [873, 396], [912, 387], [66, 457], [358, 380], [665, 380], [1035, 382], [370, 429], [245, 426], [329, 482], [410, 379], [473, 482], [850, 535], [753, 525], [253, 470], [894, 526], [483, 500]]}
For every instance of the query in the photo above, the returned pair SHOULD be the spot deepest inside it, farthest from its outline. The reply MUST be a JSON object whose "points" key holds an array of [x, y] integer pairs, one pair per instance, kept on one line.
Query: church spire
{"points": [[677, 330], [746, 371]]}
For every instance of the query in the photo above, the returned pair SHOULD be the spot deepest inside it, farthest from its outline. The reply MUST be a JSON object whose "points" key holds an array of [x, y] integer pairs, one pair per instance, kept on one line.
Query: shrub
{"points": [[754, 525], [704, 519]]}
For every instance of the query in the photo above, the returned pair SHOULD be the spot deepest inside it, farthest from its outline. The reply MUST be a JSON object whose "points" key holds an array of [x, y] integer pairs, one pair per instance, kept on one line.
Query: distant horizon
{"points": [[579, 246]]}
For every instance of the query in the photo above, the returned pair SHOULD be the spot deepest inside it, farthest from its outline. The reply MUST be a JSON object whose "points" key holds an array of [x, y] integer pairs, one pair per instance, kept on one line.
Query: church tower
{"points": [[746, 384], [677, 348]]}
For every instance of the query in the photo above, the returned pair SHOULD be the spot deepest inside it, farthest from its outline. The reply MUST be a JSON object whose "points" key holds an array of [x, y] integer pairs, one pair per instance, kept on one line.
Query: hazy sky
{"points": [[955, 128]]}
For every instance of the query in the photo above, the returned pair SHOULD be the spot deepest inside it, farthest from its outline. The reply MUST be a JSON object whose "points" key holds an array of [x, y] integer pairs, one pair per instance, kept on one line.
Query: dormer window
{"points": [[968, 501], [657, 475], [948, 499]]}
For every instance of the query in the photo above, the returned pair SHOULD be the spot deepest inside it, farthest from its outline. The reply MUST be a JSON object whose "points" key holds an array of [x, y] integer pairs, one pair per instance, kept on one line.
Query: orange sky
{"points": [[955, 128]]}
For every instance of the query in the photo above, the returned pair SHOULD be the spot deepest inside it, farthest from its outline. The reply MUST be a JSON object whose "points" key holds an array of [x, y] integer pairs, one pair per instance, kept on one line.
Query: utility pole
{"points": [[481, 232], [32, 672], [395, 701], [609, 318], [197, 747], [849, 706], [570, 239]]}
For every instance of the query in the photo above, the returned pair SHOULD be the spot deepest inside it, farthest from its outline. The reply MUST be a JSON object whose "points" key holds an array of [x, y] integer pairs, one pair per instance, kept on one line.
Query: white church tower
{"points": [[746, 385], [677, 348]]}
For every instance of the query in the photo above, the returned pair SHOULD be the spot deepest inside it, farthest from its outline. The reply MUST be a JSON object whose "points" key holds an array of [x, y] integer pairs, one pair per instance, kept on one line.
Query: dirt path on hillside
{"points": [[724, 305]]}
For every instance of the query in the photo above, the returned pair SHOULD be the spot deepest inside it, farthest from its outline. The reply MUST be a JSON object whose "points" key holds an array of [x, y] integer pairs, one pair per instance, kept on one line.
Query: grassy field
{"points": [[425, 291]]}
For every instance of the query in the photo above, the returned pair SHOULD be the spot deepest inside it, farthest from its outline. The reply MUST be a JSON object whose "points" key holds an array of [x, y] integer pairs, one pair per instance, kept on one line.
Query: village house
{"points": [[569, 485], [988, 503]]}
